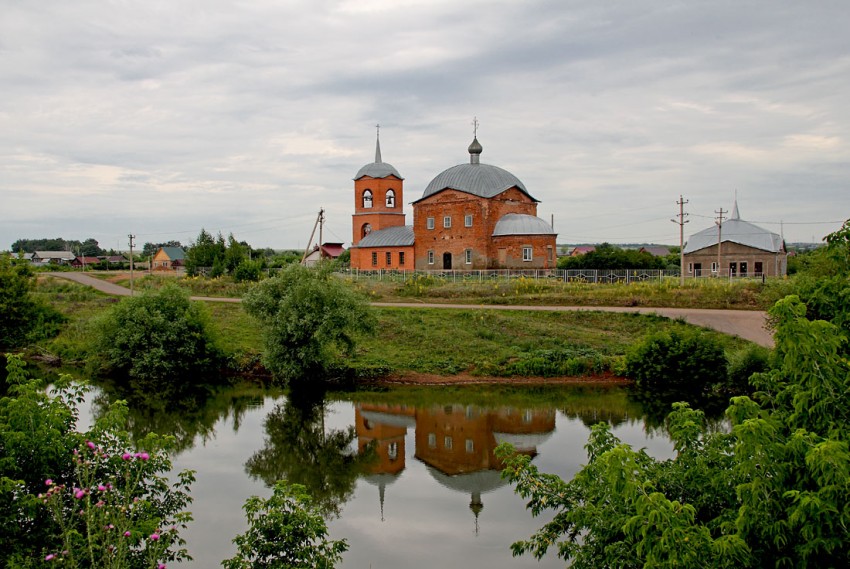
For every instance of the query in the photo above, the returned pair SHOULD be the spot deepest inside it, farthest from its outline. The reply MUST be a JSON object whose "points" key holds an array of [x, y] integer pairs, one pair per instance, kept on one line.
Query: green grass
{"points": [[433, 341], [503, 343], [703, 293]]}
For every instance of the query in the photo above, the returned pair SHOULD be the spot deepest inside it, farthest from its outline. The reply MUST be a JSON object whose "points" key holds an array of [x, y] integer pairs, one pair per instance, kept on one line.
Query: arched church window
{"points": [[367, 199], [390, 198], [365, 230]]}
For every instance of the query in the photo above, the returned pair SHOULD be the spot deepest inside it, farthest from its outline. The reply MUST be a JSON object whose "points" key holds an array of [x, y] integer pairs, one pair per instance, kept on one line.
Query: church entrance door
{"points": [[447, 261]]}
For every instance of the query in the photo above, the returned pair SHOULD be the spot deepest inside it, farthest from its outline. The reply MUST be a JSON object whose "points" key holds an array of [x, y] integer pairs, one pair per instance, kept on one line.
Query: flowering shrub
{"points": [[119, 512], [83, 499]]}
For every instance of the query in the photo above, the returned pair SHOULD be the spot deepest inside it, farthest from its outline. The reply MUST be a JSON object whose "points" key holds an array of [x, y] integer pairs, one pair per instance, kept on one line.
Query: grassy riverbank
{"points": [[413, 341]]}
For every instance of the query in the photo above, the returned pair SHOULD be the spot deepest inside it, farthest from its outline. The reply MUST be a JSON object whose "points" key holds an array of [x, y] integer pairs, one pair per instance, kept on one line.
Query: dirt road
{"points": [[747, 324]]}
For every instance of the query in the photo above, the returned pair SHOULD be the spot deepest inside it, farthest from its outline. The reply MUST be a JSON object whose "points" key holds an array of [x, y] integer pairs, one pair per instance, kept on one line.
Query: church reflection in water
{"points": [[455, 442]]}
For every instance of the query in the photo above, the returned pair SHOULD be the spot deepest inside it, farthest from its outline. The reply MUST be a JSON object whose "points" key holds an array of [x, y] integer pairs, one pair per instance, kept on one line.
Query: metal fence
{"points": [[490, 275]]}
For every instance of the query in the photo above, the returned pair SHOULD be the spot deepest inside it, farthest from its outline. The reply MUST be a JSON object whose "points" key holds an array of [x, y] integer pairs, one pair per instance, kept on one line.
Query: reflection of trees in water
{"points": [[189, 419], [658, 404], [601, 405], [300, 450]]}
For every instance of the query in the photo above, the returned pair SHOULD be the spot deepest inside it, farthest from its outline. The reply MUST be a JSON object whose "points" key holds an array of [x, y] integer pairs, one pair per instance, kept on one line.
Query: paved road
{"points": [[747, 324]]}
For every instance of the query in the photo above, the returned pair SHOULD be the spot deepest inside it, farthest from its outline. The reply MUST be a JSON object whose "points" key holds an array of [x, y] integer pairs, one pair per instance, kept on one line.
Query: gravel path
{"points": [[748, 324]]}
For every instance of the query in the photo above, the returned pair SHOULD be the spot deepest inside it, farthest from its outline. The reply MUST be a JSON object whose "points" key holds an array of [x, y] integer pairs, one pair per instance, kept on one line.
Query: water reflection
{"points": [[455, 442], [407, 476], [190, 420], [299, 448]]}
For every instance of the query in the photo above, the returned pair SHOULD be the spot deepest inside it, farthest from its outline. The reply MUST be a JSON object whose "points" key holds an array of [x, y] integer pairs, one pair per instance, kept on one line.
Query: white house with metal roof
{"points": [[736, 248]]}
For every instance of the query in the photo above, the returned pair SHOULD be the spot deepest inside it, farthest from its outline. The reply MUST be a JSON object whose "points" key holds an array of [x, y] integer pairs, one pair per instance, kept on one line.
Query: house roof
{"points": [[61, 255], [521, 224], [736, 230], [582, 249], [332, 250], [655, 251], [87, 260], [174, 253], [482, 180], [400, 236]]}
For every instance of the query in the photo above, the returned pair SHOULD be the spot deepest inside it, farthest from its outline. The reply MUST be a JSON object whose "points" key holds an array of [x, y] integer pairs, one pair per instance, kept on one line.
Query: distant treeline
{"points": [[87, 248]]}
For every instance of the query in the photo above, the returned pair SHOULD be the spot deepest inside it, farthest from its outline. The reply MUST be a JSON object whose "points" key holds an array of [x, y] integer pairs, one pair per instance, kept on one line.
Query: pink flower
{"points": [[78, 494], [160, 566], [127, 534], [101, 487], [126, 456], [90, 444], [154, 537], [49, 557], [48, 482], [143, 455]]}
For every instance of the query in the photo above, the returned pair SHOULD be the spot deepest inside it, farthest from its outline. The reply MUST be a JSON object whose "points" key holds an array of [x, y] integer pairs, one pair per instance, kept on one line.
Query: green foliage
{"points": [[742, 364], [71, 496], [310, 319], [681, 361], [285, 531], [89, 247], [160, 341], [23, 318], [607, 256], [773, 492], [299, 448], [248, 271]]}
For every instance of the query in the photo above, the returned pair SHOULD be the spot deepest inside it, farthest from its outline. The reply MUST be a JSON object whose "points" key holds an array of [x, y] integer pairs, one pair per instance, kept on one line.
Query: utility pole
{"points": [[319, 221], [681, 221], [719, 223], [131, 236]]}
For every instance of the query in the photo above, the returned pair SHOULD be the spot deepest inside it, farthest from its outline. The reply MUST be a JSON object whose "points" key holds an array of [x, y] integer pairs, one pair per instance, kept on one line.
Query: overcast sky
{"points": [[160, 117]]}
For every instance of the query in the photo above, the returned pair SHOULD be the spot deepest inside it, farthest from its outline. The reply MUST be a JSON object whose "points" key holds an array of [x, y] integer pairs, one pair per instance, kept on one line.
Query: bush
{"points": [[90, 499], [743, 364], [23, 319], [247, 271], [310, 320], [685, 362], [160, 340], [286, 530]]}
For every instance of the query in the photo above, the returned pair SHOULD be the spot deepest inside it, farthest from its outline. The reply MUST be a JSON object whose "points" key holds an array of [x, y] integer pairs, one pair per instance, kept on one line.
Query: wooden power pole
{"points": [[719, 223], [681, 221], [320, 220], [131, 236]]}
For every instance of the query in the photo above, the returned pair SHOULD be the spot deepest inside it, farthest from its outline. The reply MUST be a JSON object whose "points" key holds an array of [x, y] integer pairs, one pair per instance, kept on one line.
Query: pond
{"points": [[408, 476]]}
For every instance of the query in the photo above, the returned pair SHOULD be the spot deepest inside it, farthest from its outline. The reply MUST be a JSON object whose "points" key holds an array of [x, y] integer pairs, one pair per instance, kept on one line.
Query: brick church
{"points": [[472, 216]]}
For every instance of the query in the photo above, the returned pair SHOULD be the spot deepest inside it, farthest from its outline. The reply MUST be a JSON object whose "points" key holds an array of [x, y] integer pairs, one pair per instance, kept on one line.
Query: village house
{"points": [[169, 259]]}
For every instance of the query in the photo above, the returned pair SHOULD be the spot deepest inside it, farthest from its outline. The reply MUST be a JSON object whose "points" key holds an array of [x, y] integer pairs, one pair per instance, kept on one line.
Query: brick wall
{"points": [[451, 243], [379, 216]]}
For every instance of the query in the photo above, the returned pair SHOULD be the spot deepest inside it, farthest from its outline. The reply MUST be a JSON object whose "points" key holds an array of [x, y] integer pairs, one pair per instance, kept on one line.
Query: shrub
{"points": [[159, 340], [676, 361], [310, 319], [286, 530], [743, 364], [23, 319], [247, 271]]}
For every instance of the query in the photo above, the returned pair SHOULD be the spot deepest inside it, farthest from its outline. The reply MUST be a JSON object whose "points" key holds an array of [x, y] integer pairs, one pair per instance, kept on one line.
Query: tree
{"points": [[285, 532], [204, 252], [772, 492], [23, 319], [310, 320], [161, 341]]}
